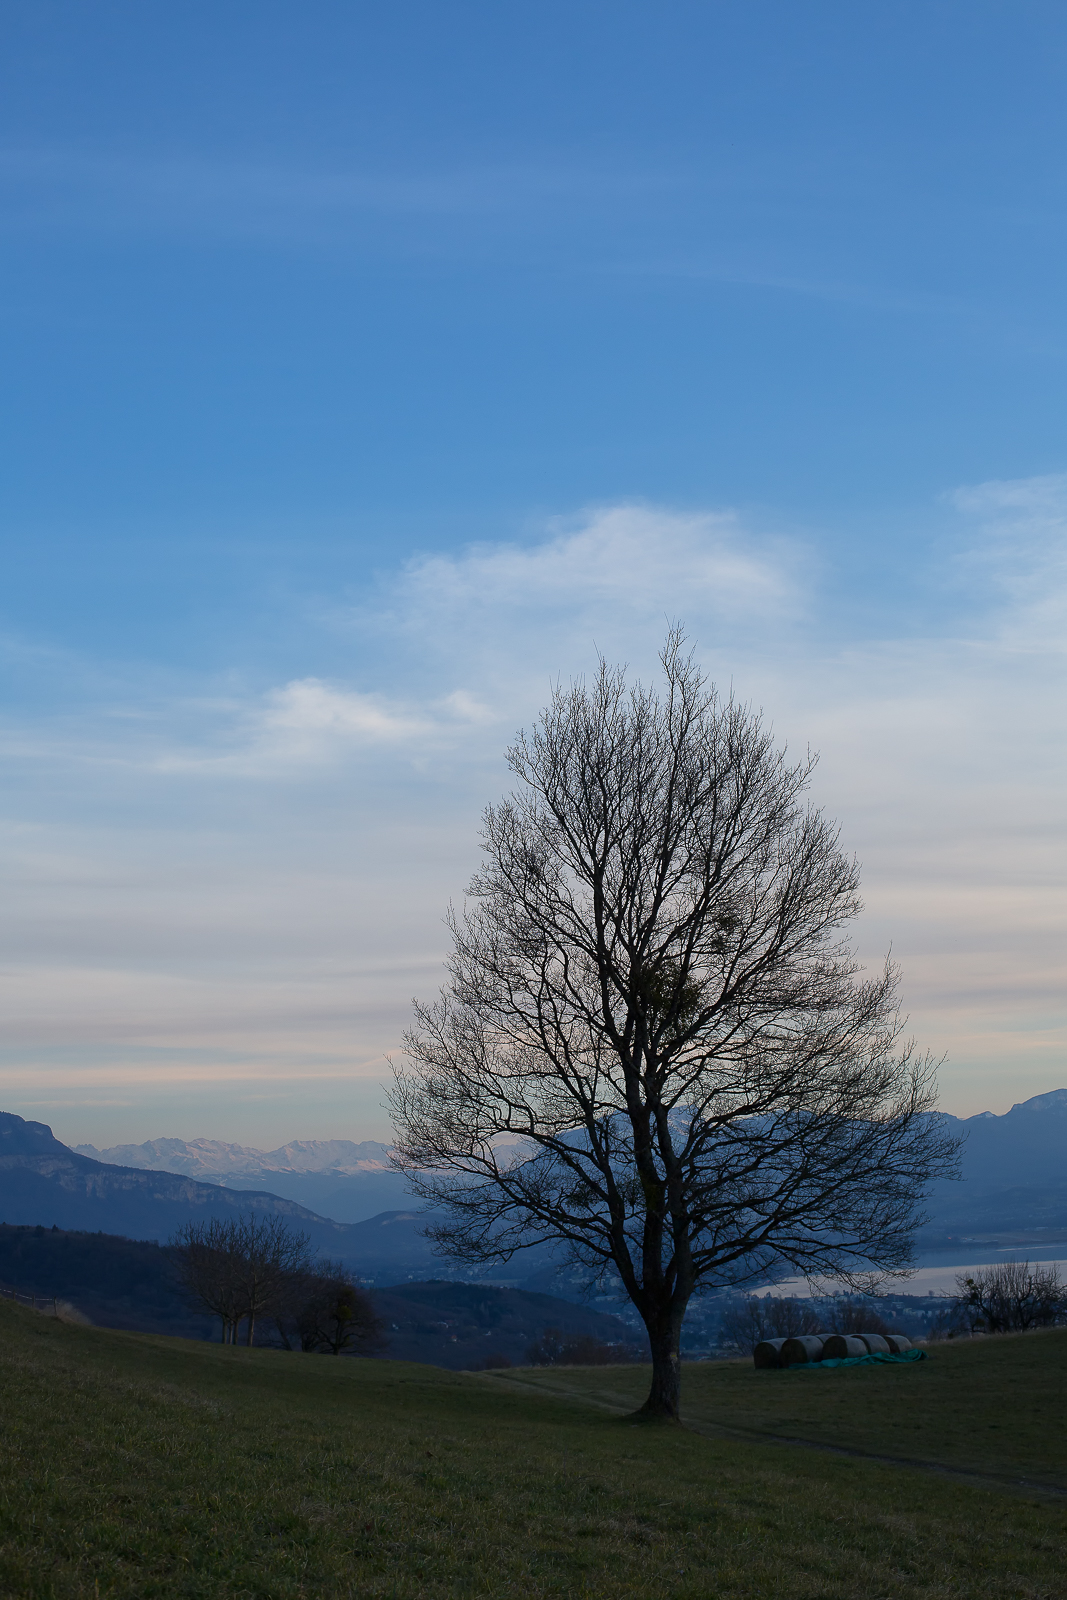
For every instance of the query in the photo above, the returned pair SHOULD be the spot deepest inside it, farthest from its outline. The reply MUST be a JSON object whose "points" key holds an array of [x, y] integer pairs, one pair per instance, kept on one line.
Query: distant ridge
{"points": [[1055, 1100], [1022, 1147], [337, 1178], [357, 1208], [203, 1157], [1014, 1169], [1025, 1146]]}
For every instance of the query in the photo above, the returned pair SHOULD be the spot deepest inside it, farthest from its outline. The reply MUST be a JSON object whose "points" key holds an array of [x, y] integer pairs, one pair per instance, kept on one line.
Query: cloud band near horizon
{"points": [[224, 892]]}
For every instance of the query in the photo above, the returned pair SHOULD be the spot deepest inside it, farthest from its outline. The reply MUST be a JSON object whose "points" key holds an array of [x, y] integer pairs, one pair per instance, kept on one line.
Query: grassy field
{"points": [[142, 1466], [993, 1408]]}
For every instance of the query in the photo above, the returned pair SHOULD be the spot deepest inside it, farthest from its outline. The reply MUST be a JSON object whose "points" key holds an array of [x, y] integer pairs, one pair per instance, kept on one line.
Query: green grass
{"points": [[140, 1466], [995, 1407]]}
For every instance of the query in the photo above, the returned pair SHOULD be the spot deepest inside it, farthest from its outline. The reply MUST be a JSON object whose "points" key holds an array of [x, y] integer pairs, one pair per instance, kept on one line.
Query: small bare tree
{"points": [[651, 996], [745, 1323], [204, 1255], [239, 1268], [270, 1252], [1011, 1297]]}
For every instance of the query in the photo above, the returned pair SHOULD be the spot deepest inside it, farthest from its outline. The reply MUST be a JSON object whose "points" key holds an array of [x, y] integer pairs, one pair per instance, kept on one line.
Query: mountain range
{"points": [[44, 1183], [1014, 1170], [335, 1177], [206, 1158], [1028, 1144]]}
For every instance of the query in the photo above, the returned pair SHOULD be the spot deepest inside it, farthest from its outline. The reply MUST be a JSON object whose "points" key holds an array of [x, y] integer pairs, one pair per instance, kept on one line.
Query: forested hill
{"points": [[132, 1284], [117, 1283]]}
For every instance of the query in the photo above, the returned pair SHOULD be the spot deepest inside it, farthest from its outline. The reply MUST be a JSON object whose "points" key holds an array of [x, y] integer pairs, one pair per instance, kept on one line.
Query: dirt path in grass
{"points": [[619, 1406]]}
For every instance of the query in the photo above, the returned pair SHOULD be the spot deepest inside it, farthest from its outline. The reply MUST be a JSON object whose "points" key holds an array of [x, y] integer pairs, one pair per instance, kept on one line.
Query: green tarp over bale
{"points": [[874, 1359]]}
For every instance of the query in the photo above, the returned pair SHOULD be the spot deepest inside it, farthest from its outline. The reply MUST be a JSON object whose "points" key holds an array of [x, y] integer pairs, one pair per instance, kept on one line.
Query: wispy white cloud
{"points": [[307, 705], [106, 191], [504, 619], [1021, 556], [498, 619], [308, 723], [642, 558]]}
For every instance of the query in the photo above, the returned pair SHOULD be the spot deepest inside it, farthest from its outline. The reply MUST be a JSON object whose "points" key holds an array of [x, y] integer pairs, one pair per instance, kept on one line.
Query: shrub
{"points": [[1011, 1297], [554, 1349], [327, 1311]]}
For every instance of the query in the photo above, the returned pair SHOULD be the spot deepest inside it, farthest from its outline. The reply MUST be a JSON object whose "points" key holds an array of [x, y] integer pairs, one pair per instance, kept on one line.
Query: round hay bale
{"points": [[839, 1346], [876, 1343], [897, 1343], [805, 1347], [768, 1353]]}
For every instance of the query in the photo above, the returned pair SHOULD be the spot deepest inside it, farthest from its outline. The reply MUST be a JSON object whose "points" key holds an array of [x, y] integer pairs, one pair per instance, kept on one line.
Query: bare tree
{"points": [[849, 1314], [239, 1268], [746, 1322], [1011, 1297], [204, 1255], [295, 1327], [649, 994], [270, 1253]]}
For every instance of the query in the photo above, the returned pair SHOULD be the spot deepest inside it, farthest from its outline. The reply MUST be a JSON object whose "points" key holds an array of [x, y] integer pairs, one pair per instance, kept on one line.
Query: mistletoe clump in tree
{"points": [[650, 995]]}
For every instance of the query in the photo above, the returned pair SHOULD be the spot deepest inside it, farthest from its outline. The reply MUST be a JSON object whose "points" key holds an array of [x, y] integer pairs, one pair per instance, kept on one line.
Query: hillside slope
{"points": [[144, 1469]]}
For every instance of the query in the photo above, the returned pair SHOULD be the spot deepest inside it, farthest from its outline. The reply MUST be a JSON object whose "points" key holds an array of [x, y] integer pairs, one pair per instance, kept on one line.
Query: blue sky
{"points": [[365, 368]]}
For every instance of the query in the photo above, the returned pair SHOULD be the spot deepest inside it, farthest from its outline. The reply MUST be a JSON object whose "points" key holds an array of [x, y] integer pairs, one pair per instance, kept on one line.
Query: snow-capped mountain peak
{"points": [[213, 1158]]}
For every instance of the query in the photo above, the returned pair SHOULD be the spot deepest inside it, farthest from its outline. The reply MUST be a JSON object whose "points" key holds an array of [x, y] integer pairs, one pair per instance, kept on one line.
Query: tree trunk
{"points": [[251, 1326], [665, 1394]]}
